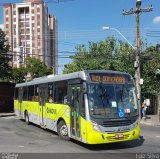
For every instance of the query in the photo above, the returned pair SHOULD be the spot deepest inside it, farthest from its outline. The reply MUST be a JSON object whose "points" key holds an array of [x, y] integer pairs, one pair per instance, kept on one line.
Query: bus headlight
{"points": [[95, 126]]}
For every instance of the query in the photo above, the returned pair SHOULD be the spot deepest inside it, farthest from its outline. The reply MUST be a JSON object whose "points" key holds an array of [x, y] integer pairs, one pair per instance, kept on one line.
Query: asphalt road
{"points": [[18, 137]]}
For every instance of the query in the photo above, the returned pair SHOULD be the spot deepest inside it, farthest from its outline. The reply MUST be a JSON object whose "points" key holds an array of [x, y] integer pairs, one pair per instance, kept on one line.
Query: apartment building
{"points": [[31, 31]]}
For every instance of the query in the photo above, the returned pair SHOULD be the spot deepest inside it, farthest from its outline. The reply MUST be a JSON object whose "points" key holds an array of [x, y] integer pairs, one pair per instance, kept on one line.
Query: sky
{"points": [[81, 21]]}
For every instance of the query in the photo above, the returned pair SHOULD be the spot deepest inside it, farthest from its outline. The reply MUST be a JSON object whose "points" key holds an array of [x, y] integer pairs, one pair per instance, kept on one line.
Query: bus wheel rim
{"points": [[64, 130]]}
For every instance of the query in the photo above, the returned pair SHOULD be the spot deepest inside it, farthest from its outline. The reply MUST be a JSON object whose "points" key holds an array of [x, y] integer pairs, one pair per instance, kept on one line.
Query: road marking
{"points": [[158, 136], [21, 146]]}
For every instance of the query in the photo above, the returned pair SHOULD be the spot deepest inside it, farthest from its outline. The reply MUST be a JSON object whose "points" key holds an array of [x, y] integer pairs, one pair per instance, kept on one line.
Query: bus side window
{"points": [[60, 92], [20, 94], [25, 93], [36, 93], [30, 93], [50, 93], [16, 94]]}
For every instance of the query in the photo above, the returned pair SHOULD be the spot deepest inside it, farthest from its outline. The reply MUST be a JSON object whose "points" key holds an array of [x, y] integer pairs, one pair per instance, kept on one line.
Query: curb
{"points": [[6, 114], [150, 124]]}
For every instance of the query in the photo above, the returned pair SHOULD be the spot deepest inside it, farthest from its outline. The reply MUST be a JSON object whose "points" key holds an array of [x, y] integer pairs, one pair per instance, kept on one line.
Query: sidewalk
{"points": [[151, 120], [7, 114]]}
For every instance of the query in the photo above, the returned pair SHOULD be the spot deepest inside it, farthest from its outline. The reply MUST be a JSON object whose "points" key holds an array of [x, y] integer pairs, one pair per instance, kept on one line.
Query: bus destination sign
{"points": [[107, 78]]}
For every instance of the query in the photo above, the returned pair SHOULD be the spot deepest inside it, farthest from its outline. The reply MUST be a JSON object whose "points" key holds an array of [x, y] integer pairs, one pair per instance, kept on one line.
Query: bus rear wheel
{"points": [[27, 117], [62, 130]]}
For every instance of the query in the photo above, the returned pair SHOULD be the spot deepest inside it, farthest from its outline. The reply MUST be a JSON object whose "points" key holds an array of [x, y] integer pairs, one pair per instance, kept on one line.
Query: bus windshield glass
{"points": [[112, 100]]}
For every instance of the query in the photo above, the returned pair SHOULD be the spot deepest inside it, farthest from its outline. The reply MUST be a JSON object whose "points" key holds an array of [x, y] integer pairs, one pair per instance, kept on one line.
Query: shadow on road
{"points": [[101, 147], [112, 146]]}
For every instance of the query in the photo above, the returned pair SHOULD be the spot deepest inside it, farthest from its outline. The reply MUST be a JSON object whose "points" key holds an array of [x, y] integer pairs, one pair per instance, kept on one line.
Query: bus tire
{"points": [[27, 117], [62, 130]]}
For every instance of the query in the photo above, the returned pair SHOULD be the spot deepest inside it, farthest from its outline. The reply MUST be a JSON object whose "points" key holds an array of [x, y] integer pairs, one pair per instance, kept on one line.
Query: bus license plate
{"points": [[119, 136]]}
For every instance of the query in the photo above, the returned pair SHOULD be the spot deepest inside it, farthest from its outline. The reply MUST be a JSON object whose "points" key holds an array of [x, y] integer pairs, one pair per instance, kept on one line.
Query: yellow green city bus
{"points": [[93, 107]]}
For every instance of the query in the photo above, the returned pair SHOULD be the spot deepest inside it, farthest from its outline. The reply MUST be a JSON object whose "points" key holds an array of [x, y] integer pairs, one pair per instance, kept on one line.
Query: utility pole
{"points": [[137, 12]]}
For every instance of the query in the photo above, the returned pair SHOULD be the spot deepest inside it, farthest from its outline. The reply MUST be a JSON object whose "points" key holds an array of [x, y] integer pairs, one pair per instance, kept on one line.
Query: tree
{"points": [[150, 64], [5, 69], [108, 54], [36, 68], [124, 58], [18, 74]]}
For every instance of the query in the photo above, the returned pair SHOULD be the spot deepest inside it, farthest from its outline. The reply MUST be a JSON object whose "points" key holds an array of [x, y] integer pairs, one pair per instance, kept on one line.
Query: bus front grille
{"points": [[116, 123]]}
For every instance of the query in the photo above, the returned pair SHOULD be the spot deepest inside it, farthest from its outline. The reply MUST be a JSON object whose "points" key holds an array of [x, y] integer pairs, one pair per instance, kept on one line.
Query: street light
{"points": [[108, 28]]}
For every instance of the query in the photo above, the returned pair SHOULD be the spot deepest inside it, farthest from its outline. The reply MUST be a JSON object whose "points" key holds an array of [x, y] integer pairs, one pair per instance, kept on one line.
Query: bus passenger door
{"points": [[42, 104], [75, 110], [20, 98]]}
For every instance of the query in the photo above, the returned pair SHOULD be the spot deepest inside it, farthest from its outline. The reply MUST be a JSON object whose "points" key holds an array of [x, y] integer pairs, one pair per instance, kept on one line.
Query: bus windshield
{"points": [[112, 100]]}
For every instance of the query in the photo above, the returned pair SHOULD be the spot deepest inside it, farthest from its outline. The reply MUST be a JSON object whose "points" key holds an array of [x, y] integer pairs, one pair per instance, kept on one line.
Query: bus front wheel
{"points": [[62, 130]]}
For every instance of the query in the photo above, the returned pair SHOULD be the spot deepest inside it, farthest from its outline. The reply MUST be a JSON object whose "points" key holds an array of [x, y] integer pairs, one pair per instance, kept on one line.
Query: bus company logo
{"points": [[51, 111]]}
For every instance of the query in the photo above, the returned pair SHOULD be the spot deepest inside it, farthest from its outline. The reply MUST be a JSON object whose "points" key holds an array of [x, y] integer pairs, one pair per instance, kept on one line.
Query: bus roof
{"points": [[74, 75]]}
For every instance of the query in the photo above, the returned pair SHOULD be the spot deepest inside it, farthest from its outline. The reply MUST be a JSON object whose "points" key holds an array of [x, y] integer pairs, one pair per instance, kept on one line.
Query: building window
{"points": [[38, 17], [27, 24], [38, 9], [38, 29], [27, 42], [38, 50], [38, 44], [27, 16], [27, 50], [7, 25], [38, 37], [6, 12], [22, 31]]}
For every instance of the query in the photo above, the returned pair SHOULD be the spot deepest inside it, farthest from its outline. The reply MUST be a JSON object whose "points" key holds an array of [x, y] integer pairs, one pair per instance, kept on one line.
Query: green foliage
{"points": [[5, 69], [18, 74], [37, 68], [34, 67], [108, 54], [150, 63]]}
